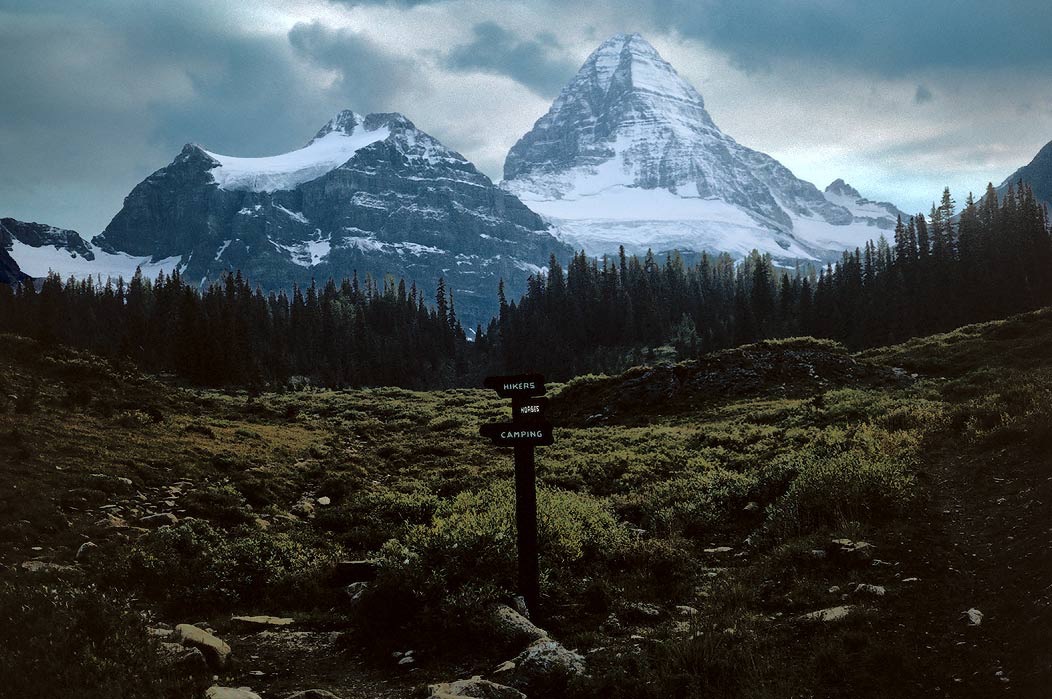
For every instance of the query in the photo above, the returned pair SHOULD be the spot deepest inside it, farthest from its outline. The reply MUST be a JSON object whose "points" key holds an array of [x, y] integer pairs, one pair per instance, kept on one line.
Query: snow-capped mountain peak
{"points": [[841, 188], [628, 155]]}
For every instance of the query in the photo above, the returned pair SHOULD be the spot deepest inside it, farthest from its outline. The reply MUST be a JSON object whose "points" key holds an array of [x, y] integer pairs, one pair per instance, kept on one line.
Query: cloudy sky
{"points": [[897, 97]]}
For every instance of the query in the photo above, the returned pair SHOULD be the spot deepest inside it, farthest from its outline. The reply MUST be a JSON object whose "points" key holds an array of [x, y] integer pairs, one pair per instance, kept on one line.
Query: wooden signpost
{"points": [[527, 429]]}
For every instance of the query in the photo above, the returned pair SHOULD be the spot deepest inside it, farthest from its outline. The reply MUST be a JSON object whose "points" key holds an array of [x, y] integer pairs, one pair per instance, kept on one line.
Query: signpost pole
{"points": [[526, 525]]}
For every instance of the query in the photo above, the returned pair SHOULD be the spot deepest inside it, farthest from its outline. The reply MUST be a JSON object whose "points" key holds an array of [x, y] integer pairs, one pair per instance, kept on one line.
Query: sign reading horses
{"points": [[527, 429]]}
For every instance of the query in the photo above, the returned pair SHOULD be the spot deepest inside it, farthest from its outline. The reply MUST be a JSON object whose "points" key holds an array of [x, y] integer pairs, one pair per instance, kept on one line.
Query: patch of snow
{"points": [[222, 248], [294, 215], [289, 170], [38, 262]]}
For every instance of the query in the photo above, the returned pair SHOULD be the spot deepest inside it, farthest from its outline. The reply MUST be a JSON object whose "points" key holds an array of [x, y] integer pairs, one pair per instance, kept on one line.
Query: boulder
{"points": [[851, 552], [217, 692], [475, 687], [262, 622], [161, 519], [86, 551], [973, 616], [313, 694], [180, 657], [544, 665], [215, 650], [515, 629]]}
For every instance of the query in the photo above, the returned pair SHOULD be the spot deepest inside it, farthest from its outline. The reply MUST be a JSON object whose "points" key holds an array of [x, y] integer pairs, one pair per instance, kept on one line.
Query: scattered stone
{"points": [[718, 549], [45, 567], [324, 500], [854, 552], [684, 610], [516, 629], [830, 614], [217, 692], [475, 687], [356, 590], [407, 660], [86, 551], [834, 590], [216, 651], [544, 663], [911, 580], [190, 660], [752, 507], [355, 571], [261, 622], [159, 633], [313, 694], [818, 553], [876, 590], [161, 519], [973, 616]]}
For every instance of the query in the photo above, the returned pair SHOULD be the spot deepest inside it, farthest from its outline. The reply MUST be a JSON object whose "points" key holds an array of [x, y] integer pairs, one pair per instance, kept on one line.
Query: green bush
{"points": [[833, 491], [73, 642], [446, 571], [194, 565], [696, 504]]}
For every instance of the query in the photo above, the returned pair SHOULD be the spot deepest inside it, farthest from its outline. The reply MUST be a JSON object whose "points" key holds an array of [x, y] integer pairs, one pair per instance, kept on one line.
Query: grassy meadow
{"points": [[680, 547]]}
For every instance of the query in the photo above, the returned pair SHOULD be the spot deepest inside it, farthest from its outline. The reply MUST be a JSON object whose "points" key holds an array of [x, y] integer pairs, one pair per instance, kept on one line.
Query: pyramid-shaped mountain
{"points": [[628, 155]]}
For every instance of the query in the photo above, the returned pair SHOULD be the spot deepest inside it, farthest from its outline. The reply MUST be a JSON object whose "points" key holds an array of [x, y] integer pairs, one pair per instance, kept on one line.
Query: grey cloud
{"points": [[922, 95], [537, 63], [370, 78], [890, 38]]}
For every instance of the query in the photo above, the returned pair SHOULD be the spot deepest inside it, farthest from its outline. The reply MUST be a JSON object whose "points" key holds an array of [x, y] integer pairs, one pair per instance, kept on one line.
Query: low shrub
{"points": [[79, 642], [833, 491], [697, 504], [193, 565]]}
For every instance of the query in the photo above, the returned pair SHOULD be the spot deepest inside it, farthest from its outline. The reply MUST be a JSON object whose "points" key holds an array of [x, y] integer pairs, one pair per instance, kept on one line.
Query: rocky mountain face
{"points": [[368, 194], [1037, 173], [628, 155], [9, 270]]}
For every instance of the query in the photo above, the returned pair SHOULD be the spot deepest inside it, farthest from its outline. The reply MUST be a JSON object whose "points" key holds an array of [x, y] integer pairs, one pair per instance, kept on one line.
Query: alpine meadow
{"points": [[647, 416]]}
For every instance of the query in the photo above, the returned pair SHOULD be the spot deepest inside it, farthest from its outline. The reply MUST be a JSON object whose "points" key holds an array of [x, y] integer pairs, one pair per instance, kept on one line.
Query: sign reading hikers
{"points": [[527, 429]]}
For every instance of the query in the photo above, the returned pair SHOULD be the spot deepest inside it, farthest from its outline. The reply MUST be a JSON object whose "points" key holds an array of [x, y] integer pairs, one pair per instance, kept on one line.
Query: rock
{"points": [[313, 694], [973, 616], [407, 660], [852, 552], [355, 571], [545, 664], [161, 519], [159, 633], [46, 567], [876, 590], [641, 612], [86, 551], [684, 610], [830, 614], [475, 687], [718, 549], [515, 629], [834, 589], [324, 501], [356, 590], [216, 651], [751, 507], [261, 622], [217, 692], [190, 660]]}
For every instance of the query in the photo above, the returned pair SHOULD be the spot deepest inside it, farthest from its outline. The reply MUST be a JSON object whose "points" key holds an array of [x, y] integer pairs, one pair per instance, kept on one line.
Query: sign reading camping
{"points": [[510, 434], [527, 429]]}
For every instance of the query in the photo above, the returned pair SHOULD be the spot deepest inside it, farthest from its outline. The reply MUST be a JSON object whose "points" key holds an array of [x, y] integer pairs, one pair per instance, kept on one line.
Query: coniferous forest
{"points": [[939, 271]]}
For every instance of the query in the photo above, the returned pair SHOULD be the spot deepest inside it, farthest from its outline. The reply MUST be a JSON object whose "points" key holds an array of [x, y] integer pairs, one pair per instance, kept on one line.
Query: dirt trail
{"points": [[986, 545]]}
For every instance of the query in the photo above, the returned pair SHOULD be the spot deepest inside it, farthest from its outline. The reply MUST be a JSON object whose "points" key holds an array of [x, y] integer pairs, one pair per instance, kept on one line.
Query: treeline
{"points": [[937, 273], [233, 335]]}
